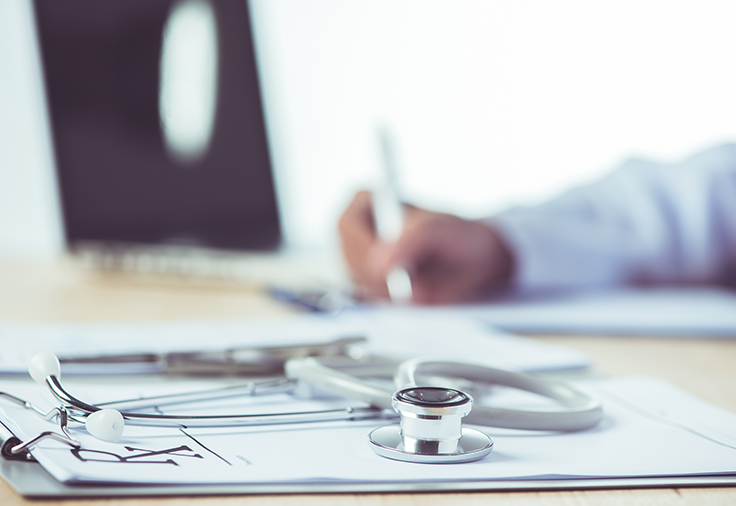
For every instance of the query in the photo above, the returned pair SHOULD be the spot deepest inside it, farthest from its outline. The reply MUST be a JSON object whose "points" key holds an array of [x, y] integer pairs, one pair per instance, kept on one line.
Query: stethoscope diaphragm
{"points": [[430, 431]]}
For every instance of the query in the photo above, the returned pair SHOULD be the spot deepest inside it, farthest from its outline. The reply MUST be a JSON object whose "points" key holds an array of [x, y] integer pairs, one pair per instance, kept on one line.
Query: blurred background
{"points": [[491, 103]]}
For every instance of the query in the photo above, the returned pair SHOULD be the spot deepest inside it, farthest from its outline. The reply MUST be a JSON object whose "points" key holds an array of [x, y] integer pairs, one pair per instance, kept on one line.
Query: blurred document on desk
{"points": [[669, 312], [650, 428], [397, 333]]}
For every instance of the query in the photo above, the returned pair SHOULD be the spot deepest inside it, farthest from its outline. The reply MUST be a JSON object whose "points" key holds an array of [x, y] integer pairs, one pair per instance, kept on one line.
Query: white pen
{"points": [[388, 214]]}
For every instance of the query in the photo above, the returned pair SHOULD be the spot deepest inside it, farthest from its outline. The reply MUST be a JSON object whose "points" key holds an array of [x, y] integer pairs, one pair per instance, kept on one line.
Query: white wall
{"points": [[29, 216], [492, 102]]}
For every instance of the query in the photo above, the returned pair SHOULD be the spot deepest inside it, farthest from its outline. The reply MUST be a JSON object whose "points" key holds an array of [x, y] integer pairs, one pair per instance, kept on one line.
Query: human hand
{"points": [[449, 259]]}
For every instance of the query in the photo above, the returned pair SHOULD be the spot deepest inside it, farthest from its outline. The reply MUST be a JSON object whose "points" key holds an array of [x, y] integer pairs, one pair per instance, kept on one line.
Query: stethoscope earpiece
{"points": [[105, 424], [42, 366]]}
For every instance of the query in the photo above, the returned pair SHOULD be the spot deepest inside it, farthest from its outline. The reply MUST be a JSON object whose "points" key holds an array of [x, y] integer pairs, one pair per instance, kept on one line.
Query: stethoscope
{"points": [[429, 431]]}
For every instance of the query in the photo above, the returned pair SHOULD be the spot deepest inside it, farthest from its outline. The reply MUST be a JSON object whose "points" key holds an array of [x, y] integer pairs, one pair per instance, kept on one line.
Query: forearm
{"points": [[644, 223]]}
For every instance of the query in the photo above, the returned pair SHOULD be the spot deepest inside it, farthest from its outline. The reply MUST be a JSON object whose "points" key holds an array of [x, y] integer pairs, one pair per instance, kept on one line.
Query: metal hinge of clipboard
{"points": [[9, 440], [13, 448]]}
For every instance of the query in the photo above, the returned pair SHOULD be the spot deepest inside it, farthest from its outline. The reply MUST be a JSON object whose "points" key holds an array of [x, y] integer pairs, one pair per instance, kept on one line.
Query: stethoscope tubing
{"points": [[580, 410]]}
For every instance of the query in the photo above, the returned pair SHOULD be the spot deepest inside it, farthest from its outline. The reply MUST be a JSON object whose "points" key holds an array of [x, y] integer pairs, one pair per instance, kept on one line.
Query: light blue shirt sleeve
{"points": [[644, 223]]}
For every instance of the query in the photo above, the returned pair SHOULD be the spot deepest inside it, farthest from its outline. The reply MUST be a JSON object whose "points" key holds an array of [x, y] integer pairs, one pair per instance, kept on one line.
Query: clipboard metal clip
{"points": [[13, 448]]}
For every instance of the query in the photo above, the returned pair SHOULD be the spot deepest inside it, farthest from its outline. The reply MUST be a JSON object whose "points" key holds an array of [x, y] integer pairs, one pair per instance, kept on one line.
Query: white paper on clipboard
{"points": [[650, 429]]}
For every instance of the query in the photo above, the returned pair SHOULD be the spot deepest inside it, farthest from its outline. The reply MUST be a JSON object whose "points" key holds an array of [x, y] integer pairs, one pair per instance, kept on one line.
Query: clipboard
{"points": [[31, 480], [595, 459]]}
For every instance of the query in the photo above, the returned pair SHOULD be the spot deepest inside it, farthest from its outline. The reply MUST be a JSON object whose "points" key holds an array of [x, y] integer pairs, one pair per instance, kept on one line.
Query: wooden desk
{"points": [[56, 292]]}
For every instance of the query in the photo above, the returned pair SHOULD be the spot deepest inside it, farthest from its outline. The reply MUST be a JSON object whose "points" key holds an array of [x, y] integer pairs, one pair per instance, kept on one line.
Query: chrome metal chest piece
{"points": [[431, 428]]}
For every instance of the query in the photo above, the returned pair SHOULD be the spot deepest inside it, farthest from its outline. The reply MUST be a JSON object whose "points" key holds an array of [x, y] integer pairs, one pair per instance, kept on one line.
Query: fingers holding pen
{"points": [[356, 227], [449, 259], [361, 248], [425, 249], [420, 242]]}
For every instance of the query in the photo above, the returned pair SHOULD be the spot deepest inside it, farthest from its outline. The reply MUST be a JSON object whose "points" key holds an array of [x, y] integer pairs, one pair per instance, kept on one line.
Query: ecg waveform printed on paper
{"points": [[143, 457]]}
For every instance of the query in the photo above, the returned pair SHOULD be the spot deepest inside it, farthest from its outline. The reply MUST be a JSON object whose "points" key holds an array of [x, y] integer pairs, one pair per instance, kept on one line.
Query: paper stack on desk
{"points": [[395, 332], [654, 311]]}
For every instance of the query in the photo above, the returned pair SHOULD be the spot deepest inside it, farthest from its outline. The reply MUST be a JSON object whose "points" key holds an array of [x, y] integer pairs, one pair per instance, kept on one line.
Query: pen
{"points": [[388, 215]]}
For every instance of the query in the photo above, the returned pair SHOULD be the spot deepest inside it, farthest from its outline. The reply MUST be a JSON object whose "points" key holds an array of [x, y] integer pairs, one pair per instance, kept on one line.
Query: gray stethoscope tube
{"points": [[430, 414], [581, 411]]}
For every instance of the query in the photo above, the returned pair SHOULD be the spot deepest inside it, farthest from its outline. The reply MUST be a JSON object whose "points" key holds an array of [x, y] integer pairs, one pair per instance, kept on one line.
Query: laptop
{"points": [[160, 143]]}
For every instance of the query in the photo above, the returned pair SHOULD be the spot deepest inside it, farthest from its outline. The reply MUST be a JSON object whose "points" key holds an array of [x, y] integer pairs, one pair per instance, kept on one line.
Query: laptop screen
{"points": [[158, 123]]}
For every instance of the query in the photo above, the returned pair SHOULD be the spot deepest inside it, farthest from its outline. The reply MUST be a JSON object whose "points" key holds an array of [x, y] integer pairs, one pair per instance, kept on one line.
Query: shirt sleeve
{"points": [[646, 222]]}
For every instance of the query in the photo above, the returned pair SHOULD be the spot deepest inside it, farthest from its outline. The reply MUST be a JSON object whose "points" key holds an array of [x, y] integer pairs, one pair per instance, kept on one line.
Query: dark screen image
{"points": [[119, 182]]}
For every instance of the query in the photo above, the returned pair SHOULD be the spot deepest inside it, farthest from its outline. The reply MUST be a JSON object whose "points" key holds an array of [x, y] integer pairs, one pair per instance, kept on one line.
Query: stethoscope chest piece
{"points": [[430, 430]]}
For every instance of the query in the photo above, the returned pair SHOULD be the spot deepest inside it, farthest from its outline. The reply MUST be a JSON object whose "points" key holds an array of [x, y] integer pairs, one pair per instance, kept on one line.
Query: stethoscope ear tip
{"points": [[105, 424], [43, 365]]}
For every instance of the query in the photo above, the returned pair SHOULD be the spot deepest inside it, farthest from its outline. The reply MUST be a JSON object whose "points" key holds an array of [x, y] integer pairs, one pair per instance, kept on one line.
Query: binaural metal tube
{"points": [[80, 410]]}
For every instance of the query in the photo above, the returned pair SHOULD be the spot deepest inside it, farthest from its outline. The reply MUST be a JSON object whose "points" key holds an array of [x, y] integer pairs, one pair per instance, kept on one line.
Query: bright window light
{"points": [[188, 92]]}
